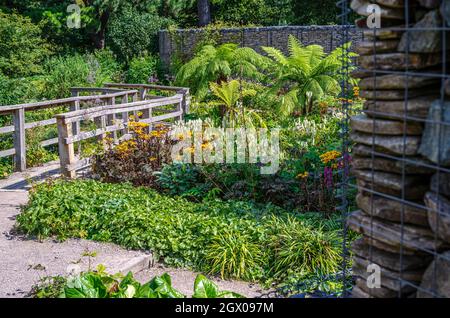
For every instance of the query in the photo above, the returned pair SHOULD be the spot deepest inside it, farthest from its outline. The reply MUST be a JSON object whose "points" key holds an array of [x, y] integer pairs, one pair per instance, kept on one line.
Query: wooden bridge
{"points": [[93, 113]]}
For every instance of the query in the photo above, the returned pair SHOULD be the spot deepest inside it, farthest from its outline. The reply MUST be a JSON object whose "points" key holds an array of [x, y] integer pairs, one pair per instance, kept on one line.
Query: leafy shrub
{"points": [[64, 73], [132, 34], [181, 232], [135, 160], [99, 284], [143, 69], [19, 90], [185, 180], [68, 71], [22, 48], [103, 68]]}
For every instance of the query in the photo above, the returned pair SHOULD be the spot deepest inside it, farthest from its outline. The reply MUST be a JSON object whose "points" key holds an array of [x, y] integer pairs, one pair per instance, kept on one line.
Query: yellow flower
{"points": [[140, 114], [206, 145], [153, 159], [191, 149], [330, 156], [303, 175]]}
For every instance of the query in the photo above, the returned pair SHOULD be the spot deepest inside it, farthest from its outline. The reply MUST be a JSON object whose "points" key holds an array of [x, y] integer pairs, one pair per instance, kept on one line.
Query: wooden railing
{"points": [[145, 89], [110, 96], [112, 119]]}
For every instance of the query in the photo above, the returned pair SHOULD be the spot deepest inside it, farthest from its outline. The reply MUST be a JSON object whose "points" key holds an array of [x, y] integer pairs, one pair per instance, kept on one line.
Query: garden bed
{"points": [[233, 239]]}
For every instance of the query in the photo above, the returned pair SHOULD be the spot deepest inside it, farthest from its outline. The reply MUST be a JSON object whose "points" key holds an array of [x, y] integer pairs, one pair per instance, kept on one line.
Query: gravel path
{"points": [[24, 261]]}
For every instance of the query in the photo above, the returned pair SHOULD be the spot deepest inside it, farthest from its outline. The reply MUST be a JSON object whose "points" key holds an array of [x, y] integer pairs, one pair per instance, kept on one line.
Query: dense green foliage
{"points": [[22, 48], [184, 233], [133, 34], [99, 284]]}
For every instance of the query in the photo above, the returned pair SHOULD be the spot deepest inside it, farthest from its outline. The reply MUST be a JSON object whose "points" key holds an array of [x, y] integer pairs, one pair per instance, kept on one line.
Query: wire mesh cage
{"points": [[400, 149]]}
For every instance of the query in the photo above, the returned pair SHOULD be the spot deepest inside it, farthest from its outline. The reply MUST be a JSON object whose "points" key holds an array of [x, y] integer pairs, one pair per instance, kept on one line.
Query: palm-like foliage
{"points": [[218, 64], [229, 95], [306, 74]]}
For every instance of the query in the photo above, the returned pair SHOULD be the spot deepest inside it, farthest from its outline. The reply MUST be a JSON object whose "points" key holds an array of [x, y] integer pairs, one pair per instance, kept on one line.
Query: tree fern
{"points": [[228, 95], [219, 64], [306, 75]]}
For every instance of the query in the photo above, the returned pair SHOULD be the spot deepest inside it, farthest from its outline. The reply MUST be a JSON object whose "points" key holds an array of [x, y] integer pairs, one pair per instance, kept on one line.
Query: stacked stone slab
{"points": [[391, 143]]}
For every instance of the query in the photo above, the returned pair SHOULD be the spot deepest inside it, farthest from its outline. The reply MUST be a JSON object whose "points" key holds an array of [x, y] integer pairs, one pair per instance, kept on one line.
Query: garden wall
{"points": [[184, 41]]}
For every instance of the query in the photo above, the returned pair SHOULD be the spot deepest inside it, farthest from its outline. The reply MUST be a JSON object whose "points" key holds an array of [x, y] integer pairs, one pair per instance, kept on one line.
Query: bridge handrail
{"points": [[107, 123], [20, 126]]}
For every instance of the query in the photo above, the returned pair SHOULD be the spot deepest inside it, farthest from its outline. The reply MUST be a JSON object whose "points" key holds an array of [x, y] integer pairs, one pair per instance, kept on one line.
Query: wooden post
{"points": [[142, 93], [66, 151], [75, 107], [100, 122], [135, 98], [20, 158], [112, 118], [76, 127], [185, 103], [125, 118]]}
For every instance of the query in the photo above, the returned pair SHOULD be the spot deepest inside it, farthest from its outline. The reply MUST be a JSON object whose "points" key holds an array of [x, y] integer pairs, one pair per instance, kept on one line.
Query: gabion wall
{"points": [[401, 151], [184, 41]]}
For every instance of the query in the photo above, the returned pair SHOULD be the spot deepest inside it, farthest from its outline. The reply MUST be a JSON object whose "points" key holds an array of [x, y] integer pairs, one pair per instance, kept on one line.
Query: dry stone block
{"points": [[389, 260], [379, 163], [382, 34], [397, 82], [436, 278], [396, 94], [359, 293], [418, 107], [414, 238], [390, 248], [389, 144], [423, 41], [439, 215], [391, 210], [361, 8], [365, 124], [389, 279], [436, 138], [366, 292], [392, 3], [382, 46], [429, 4], [441, 184], [399, 61], [411, 186]]}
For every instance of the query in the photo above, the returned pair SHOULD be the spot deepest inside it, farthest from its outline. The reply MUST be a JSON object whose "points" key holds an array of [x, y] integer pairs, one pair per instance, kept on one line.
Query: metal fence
{"points": [[398, 139], [400, 145]]}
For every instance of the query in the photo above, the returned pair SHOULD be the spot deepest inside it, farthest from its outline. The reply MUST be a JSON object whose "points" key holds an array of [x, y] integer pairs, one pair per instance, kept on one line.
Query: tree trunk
{"points": [[100, 36], [204, 12]]}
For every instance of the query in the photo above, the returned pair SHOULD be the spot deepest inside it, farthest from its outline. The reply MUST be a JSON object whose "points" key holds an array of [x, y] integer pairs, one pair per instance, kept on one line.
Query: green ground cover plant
{"points": [[265, 244], [100, 284]]}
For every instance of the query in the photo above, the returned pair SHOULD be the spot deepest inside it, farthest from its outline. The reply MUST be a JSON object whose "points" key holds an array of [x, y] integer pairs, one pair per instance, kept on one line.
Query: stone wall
{"points": [[401, 157], [184, 41]]}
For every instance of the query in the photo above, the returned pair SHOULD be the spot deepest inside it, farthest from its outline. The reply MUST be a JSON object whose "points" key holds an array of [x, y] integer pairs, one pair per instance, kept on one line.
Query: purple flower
{"points": [[153, 79], [328, 177]]}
